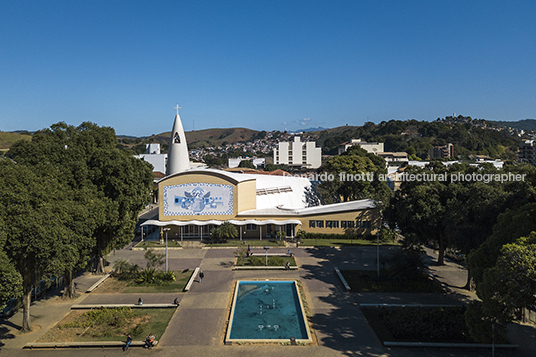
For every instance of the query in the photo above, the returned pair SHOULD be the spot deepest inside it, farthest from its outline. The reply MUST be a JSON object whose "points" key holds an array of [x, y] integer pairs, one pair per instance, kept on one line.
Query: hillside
{"points": [[417, 137], [7, 139], [525, 124], [195, 139]]}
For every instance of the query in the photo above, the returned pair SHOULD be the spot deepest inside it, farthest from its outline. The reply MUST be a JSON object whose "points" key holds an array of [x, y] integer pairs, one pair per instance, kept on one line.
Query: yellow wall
{"points": [[246, 195], [371, 215]]}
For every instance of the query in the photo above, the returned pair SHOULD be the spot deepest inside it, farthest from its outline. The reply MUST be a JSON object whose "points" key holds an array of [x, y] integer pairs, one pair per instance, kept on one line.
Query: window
{"points": [[350, 224], [251, 227], [367, 224], [332, 224], [343, 224], [320, 224], [312, 224]]}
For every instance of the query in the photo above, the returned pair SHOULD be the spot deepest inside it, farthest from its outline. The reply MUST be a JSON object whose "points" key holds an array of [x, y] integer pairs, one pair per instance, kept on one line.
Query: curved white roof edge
{"points": [[154, 222], [231, 175]]}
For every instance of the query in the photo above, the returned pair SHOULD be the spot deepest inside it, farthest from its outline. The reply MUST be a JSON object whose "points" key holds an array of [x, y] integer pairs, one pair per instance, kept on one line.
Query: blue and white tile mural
{"points": [[203, 199]]}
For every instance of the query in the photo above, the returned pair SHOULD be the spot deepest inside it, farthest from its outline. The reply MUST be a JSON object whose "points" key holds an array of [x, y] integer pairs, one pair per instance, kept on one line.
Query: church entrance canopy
{"points": [[199, 232]]}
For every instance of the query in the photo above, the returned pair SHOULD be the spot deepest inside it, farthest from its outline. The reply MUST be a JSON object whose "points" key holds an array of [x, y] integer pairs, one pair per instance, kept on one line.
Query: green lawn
{"points": [[114, 325], [177, 286], [261, 261], [367, 281], [252, 242], [339, 242], [156, 244]]}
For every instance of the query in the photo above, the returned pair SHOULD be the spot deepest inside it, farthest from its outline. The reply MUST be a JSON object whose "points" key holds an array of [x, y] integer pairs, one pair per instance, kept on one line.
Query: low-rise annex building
{"points": [[193, 201]]}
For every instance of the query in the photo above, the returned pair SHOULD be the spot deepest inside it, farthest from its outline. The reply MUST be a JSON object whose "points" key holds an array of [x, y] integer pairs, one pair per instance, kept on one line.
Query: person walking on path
{"points": [[201, 276]]}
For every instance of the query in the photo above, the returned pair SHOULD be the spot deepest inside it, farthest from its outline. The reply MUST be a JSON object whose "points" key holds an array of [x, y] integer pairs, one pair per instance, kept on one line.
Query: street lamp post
{"points": [[378, 251], [266, 248], [166, 230]]}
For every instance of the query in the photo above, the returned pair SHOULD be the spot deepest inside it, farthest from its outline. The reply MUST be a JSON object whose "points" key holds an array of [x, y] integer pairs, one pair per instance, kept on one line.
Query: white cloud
{"points": [[305, 121]]}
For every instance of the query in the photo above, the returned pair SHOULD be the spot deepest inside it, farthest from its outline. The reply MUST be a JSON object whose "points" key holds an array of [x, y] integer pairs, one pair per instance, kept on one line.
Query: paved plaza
{"points": [[198, 326]]}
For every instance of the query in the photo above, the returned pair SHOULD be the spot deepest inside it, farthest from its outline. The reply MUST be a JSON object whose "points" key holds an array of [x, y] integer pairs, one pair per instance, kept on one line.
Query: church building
{"points": [[193, 201]]}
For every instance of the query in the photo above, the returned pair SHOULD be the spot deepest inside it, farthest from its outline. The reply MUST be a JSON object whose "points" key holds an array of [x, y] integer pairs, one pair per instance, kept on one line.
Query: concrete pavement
{"points": [[198, 325]]}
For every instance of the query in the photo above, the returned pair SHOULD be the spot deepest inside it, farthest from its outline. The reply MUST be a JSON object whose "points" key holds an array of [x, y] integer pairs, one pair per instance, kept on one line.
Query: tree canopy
{"points": [[69, 194]]}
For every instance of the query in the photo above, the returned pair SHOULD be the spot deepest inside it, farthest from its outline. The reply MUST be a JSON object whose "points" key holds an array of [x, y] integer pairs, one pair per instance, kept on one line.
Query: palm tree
{"points": [[226, 230]]}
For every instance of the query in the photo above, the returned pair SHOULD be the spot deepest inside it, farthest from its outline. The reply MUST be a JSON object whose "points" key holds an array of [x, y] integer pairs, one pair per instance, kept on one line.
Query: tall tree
{"points": [[510, 285], [35, 229], [420, 207], [107, 188], [354, 175]]}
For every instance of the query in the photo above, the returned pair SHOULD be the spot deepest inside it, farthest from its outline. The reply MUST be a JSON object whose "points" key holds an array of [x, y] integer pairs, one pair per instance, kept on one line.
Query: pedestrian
{"points": [[140, 301], [289, 253], [149, 341], [127, 345], [176, 301], [287, 266], [201, 276]]}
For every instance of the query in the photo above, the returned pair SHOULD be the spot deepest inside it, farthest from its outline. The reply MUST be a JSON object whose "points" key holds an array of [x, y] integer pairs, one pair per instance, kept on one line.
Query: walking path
{"points": [[198, 325]]}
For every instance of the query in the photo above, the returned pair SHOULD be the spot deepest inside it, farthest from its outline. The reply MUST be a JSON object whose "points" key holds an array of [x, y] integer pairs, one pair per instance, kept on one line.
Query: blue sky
{"points": [[263, 65]]}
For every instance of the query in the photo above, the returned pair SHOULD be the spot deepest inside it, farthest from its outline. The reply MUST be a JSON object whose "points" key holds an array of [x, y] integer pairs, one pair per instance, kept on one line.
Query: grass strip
{"points": [[339, 242], [261, 261], [367, 281], [177, 286]]}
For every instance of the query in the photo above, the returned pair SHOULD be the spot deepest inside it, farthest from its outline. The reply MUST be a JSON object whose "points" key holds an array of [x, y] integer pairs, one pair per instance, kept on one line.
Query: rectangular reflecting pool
{"points": [[267, 311]]}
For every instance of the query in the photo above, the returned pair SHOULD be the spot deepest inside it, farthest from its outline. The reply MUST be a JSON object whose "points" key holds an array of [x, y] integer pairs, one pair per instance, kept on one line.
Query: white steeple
{"points": [[178, 159]]}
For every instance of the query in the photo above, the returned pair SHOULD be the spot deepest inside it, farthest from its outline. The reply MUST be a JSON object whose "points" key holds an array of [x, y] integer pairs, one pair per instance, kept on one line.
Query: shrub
{"points": [[169, 276], [481, 327], [154, 260], [425, 324], [125, 269], [276, 261], [257, 261], [147, 276]]}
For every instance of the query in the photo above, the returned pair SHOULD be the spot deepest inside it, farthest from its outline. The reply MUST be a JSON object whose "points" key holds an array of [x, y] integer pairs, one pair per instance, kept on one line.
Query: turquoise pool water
{"points": [[267, 310]]}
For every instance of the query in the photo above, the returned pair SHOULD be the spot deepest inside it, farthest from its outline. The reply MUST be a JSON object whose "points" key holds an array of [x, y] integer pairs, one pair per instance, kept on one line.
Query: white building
{"points": [[373, 148], [153, 149], [258, 162], [297, 153], [193, 201], [154, 157]]}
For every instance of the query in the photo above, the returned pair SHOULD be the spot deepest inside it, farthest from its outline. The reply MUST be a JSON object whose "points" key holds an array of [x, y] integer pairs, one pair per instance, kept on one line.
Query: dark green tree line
{"points": [[75, 196]]}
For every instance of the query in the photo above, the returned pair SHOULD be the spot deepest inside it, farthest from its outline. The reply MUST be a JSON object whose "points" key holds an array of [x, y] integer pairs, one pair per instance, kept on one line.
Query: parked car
{"points": [[11, 307], [455, 255]]}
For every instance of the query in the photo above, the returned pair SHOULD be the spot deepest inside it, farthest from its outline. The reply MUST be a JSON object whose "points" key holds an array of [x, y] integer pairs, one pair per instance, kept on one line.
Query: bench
{"points": [[101, 280], [111, 306], [262, 267], [192, 278], [255, 254], [343, 280], [95, 344]]}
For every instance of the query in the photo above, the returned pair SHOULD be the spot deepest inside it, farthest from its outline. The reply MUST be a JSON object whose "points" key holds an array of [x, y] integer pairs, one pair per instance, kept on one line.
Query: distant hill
{"points": [[417, 137], [525, 124], [308, 130], [195, 139], [9, 138]]}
